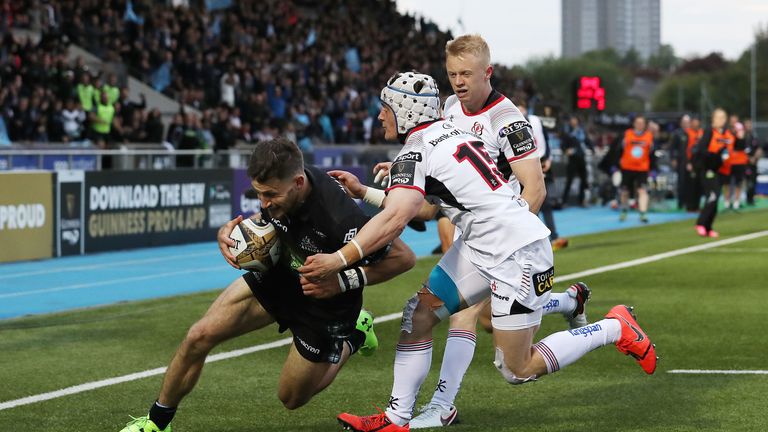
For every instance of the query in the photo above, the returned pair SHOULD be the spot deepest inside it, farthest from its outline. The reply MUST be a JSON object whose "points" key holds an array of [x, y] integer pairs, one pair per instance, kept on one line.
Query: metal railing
{"points": [[123, 158], [157, 156]]}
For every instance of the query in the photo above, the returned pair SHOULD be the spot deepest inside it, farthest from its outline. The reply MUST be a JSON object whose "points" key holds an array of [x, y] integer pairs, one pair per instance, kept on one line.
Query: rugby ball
{"points": [[257, 247]]}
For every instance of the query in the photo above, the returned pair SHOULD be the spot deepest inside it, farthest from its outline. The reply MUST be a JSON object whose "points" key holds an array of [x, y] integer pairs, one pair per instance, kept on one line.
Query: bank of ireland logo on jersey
{"points": [[477, 128], [543, 282]]}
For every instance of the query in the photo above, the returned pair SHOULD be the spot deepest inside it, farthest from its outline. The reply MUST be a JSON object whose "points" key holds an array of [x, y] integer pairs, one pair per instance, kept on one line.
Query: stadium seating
{"points": [[311, 70]]}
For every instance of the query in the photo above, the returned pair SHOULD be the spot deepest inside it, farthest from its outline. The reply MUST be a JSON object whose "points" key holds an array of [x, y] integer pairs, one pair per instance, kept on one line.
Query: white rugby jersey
{"points": [[507, 134], [445, 162]]}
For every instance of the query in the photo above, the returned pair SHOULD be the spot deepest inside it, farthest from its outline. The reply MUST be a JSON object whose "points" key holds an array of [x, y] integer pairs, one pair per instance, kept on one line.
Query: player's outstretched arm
{"points": [[402, 205], [225, 242]]}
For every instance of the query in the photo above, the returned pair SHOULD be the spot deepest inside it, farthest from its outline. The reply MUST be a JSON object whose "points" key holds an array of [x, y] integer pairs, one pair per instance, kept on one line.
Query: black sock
{"points": [[356, 340], [162, 416]]}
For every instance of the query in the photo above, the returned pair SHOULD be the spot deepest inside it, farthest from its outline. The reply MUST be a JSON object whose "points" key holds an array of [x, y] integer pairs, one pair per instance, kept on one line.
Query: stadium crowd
{"points": [[254, 70]]}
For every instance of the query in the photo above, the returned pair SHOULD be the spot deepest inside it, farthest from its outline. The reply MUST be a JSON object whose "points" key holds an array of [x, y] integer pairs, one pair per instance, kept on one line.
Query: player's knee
{"points": [[199, 339], [292, 400], [422, 312], [408, 260]]}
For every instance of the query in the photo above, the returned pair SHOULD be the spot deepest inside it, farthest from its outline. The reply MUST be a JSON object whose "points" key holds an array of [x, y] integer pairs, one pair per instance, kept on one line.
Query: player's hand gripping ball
{"points": [[257, 247]]}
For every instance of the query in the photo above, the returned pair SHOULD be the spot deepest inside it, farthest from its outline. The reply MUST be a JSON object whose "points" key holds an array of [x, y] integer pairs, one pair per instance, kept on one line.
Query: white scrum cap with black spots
{"points": [[413, 97]]}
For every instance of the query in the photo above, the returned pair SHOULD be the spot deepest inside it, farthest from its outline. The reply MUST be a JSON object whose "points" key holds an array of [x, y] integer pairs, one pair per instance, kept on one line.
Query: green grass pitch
{"points": [[704, 310]]}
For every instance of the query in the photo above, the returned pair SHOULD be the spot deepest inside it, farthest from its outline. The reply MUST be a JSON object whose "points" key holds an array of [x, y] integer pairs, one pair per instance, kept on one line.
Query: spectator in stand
{"points": [[277, 101], [191, 139], [102, 119], [111, 88], [86, 92], [153, 127], [129, 108], [21, 124], [54, 122], [229, 84], [175, 130], [73, 118]]}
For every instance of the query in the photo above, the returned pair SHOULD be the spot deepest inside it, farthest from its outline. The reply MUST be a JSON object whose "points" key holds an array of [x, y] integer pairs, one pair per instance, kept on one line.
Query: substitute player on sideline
{"points": [[636, 161], [502, 244], [312, 214]]}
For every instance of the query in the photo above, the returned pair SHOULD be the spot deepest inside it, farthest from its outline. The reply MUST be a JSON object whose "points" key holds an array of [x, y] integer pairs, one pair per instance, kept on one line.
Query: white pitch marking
{"points": [[231, 354], [93, 385], [718, 372], [661, 256], [739, 250]]}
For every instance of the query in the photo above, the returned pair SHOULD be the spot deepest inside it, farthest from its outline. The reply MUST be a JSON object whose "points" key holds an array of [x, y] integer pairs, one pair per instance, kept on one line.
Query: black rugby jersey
{"points": [[326, 221]]}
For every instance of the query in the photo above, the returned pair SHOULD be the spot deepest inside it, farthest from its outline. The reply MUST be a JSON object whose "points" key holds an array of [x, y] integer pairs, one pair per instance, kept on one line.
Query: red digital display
{"points": [[589, 91]]}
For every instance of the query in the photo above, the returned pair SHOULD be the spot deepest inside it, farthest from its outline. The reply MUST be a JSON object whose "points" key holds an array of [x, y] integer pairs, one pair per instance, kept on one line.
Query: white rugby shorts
{"points": [[519, 287]]}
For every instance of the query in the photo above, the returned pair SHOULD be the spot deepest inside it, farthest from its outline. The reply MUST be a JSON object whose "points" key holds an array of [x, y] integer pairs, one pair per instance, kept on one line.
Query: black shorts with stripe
{"points": [[319, 327]]}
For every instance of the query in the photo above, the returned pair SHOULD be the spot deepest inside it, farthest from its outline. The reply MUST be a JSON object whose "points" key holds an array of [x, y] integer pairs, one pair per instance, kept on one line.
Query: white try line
{"points": [[717, 372], [282, 342]]}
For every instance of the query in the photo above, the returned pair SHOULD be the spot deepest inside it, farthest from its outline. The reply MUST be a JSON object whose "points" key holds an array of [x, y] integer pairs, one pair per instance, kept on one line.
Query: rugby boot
{"points": [[143, 424], [365, 325], [373, 423], [559, 243], [633, 340], [581, 292], [433, 415]]}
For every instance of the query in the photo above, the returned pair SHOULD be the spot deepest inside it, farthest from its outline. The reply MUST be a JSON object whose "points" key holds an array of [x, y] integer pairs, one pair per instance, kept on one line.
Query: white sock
{"points": [[563, 348], [459, 350], [560, 303], [412, 362]]}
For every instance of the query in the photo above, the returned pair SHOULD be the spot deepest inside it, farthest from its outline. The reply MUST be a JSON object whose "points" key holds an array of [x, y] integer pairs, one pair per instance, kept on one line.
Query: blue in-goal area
{"points": [[59, 284]]}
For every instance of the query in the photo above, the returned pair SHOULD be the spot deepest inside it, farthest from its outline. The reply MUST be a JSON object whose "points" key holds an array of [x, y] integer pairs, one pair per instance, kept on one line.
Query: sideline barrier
{"points": [[26, 216], [129, 209], [74, 212]]}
